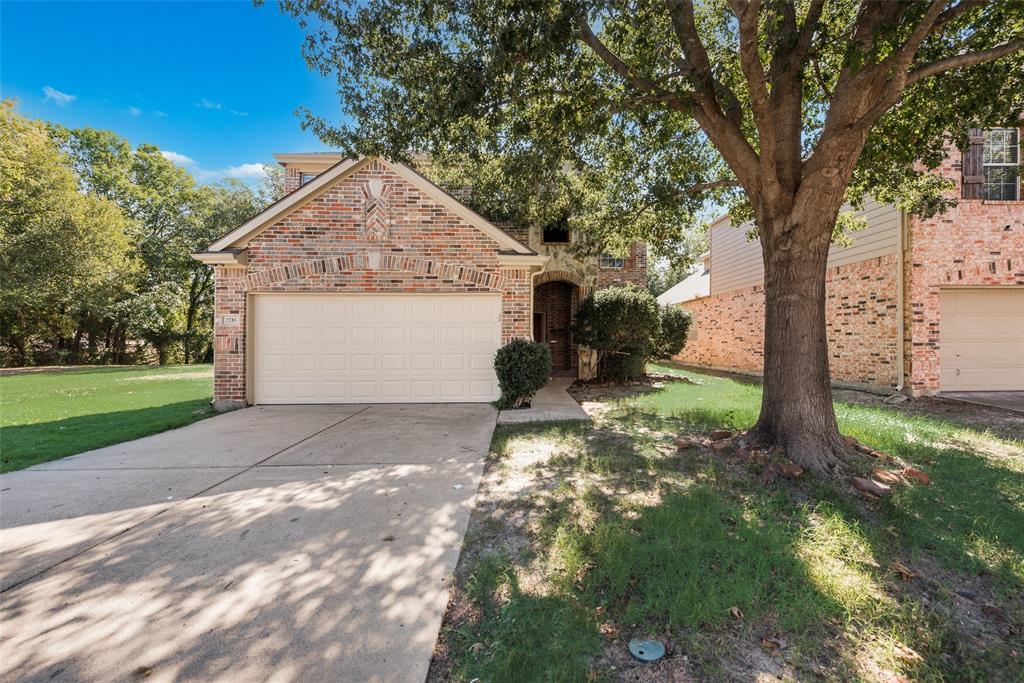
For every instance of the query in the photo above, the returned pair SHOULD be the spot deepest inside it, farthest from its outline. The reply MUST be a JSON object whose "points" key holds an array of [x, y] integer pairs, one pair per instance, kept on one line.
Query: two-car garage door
{"points": [[363, 348], [981, 334]]}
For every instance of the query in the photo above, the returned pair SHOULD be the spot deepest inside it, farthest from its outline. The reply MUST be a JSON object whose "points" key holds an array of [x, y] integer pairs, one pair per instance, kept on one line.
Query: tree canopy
{"points": [[95, 244], [633, 116]]}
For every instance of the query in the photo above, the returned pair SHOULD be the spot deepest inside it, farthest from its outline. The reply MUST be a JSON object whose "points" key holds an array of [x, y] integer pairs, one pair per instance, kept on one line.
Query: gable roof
{"points": [[240, 236], [694, 287]]}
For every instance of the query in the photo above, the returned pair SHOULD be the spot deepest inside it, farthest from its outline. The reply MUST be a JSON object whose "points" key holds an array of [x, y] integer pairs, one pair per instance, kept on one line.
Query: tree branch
{"points": [[626, 72], [966, 59], [712, 185]]}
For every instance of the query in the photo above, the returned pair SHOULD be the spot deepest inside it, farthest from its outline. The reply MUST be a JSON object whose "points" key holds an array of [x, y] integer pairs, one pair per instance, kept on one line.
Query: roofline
{"points": [[286, 204], [339, 171], [231, 257]]}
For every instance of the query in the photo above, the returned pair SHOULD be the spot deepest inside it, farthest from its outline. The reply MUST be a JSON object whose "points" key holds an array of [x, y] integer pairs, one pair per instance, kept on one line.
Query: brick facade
{"points": [[861, 316], [326, 246], [977, 243], [633, 271]]}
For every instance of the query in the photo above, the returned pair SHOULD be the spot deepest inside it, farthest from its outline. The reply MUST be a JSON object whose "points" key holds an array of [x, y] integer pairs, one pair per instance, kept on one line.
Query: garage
{"points": [[364, 348], [982, 339]]}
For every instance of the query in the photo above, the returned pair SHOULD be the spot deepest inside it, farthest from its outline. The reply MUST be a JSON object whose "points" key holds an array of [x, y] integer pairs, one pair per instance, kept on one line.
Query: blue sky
{"points": [[216, 83]]}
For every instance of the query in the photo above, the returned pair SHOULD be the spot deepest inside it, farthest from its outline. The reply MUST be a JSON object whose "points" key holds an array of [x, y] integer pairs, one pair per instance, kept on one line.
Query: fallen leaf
{"points": [[790, 470], [683, 442], [887, 477], [719, 434], [773, 643], [905, 572], [917, 475], [870, 486], [721, 446], [735, 612]]}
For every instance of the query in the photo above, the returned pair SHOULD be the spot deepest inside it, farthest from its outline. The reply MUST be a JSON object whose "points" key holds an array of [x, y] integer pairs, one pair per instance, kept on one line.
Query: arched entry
{"points": [[554, 305]]}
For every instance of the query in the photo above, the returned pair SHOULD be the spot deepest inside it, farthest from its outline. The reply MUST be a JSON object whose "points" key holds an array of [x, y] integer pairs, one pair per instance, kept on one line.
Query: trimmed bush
{"points": [[675, 324], [623, 324], [523, 368]]}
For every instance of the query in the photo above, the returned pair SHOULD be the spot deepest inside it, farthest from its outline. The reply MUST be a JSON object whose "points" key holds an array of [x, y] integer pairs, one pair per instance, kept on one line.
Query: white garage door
{"points": [[981, 332], [329, 348]]}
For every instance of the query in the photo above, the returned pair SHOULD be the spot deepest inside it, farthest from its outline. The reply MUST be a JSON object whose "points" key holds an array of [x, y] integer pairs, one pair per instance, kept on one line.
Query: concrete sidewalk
{"points": [[551, 404], [287, 544]]}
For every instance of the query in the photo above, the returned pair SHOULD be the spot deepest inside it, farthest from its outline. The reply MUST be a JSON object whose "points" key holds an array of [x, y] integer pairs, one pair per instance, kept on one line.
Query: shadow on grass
{"points": [[819, 571], [26, 445]]}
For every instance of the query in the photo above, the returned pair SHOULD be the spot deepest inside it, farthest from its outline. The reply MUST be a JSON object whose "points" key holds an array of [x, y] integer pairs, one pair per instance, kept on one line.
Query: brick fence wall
{"points": [[861, 317]]}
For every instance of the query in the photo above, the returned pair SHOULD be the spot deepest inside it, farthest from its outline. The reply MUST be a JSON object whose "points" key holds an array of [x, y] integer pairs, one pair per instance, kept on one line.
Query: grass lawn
{"points": [[49, 415], [587, 535]]}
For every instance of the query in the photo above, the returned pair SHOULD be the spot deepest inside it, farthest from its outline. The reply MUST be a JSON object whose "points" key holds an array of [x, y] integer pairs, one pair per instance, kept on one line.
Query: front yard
{"points": [[587, 535], [50, 414]]}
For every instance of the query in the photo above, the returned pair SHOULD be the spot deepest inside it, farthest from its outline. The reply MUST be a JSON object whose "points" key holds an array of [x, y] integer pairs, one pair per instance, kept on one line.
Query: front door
{"points": [[552, 305]]}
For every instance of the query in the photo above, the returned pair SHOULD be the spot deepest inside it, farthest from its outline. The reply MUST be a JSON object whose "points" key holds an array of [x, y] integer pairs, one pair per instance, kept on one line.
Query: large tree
{"points": [[783, 109]]}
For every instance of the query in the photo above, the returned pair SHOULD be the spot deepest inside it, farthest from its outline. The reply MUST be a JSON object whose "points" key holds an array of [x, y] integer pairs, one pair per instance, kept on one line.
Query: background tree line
{"points": [[95, 244]]}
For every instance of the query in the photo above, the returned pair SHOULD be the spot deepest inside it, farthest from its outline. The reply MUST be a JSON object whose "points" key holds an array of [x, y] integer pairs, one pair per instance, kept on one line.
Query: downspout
{"points": [[900, 326]]}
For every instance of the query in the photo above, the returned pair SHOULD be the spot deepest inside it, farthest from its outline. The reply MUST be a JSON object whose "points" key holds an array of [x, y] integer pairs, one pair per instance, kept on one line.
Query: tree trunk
{"points": [[796, 406]]}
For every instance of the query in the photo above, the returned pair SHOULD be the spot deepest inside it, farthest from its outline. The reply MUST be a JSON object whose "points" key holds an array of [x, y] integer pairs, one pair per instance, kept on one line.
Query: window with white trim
{"points": [[306, 177], [1001, 161], [609, 261]]}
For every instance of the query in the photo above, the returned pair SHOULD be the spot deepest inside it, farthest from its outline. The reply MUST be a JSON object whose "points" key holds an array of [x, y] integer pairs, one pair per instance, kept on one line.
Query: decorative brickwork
{"points": [[335, 243], [861, 316], [977, 243]]}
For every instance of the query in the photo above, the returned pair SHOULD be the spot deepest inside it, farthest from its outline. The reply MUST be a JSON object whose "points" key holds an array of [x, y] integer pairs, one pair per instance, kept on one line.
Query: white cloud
{"points": [[245, 171], [161, 114], [176, 158], [204, 103], [241, 172], [134, 111], [239, 113], [61, 98]]}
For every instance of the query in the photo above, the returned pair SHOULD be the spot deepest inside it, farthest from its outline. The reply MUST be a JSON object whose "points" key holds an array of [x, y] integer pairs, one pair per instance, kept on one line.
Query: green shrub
{"points": [[523, 367], [675, 324], [623, 325]]}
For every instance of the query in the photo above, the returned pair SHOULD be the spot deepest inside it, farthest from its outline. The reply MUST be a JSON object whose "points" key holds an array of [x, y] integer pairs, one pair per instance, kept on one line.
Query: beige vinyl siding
{"points": [[736, 262]]}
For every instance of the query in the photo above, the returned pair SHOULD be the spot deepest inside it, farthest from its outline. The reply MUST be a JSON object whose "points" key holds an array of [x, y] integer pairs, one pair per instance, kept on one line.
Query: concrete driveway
{"points": [[292, 543]]}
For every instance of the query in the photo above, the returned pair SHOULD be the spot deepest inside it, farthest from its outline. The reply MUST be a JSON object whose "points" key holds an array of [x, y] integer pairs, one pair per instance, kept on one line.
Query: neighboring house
{"points": [[368, 283], [914, 304]]}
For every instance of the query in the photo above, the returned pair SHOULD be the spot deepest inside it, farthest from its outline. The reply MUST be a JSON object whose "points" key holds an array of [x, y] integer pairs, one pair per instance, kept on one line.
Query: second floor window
{"points": [[557, 232], [306, 177], [1001, 159], [609, 261]]}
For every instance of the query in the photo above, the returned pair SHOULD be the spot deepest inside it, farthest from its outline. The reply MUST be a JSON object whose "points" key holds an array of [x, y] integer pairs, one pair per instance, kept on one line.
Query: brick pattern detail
{"points": [[978, 243], [322, 247], [861, 317]]}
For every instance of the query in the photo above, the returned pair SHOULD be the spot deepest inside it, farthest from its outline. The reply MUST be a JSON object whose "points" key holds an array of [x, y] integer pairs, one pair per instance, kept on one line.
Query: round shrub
{"points": [[623, 325], [523, 367], [675, 324]]}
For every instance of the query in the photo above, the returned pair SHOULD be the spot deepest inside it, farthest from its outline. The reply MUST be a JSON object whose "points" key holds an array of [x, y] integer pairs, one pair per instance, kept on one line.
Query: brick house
{"points": [[913, 304], [368, 283]]}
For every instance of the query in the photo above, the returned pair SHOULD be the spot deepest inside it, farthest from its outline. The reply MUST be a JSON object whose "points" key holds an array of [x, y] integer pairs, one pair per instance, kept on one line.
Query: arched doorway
{"points": [[554, 305]]}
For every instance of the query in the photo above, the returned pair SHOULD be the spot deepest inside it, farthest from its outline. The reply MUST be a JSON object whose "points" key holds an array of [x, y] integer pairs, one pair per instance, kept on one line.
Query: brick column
{"points": [[516, 305], [229, 339]]}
